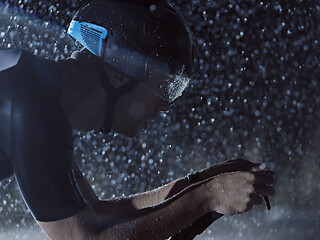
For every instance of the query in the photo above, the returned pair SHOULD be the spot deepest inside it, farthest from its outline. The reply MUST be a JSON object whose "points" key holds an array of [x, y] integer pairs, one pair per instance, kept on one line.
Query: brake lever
{"points": [[266, 198]]}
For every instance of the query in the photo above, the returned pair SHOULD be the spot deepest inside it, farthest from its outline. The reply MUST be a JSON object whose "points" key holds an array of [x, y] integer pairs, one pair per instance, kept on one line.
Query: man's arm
{"points": [[228, 193], [158, 195], [157, 222]]}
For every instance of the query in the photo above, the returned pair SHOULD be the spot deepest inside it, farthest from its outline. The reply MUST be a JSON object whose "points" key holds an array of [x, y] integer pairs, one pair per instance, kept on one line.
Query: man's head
{"points": [[145, 42]]}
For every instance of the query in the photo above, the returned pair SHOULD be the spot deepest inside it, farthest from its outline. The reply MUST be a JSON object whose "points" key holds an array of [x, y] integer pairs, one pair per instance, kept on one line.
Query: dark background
{"points": [[254, 95]]}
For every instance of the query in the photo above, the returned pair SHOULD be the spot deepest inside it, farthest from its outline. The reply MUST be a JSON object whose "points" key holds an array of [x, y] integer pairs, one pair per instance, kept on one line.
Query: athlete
{"points": [[135, 60]]}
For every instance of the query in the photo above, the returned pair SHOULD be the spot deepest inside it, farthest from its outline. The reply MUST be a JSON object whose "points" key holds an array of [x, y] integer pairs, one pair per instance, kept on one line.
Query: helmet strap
{"points": [[112, 97], [113, 91], [112, 94]]}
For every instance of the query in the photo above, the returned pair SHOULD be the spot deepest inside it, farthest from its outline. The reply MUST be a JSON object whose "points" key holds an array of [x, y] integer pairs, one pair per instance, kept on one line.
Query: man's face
{"points": [[135, 108]]}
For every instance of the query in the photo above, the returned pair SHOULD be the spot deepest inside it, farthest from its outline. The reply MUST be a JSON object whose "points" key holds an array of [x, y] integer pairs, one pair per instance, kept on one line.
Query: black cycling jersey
{"points": [[36, 143]]}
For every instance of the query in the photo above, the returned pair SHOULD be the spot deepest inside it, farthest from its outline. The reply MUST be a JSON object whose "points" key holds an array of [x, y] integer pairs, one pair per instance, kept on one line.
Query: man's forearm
{"points": [[134, 202], [157, 222], [141, 200], [158, 195]]}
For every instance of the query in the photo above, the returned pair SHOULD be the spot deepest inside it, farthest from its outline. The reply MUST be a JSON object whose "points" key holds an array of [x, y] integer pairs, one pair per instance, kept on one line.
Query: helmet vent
{"points": [[89, 35], [92, 38]]}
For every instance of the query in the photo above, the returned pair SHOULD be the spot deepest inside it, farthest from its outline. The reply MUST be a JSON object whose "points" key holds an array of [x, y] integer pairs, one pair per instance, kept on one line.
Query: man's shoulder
{"points": [[33, 89]]}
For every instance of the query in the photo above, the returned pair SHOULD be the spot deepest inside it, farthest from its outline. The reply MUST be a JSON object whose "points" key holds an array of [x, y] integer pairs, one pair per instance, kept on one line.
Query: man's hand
{"points": [[229, 166], [236, 192]]}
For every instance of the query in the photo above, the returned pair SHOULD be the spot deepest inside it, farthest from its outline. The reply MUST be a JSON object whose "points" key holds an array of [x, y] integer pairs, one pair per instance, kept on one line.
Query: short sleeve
{"points": [[42, 143], [5, 166]]}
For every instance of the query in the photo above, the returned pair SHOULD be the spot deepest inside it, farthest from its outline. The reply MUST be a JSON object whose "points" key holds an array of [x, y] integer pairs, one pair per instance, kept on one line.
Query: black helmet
{"points": [[139, 39]]}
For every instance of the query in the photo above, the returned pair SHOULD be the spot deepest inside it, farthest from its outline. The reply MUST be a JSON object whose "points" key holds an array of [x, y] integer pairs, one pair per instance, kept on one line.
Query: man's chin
{"points": [[144, 125], [129, 132], [131, 135]]}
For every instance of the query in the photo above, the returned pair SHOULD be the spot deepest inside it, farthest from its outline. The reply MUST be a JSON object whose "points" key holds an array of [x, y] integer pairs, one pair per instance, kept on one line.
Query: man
{"points": [[136, 59]]}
